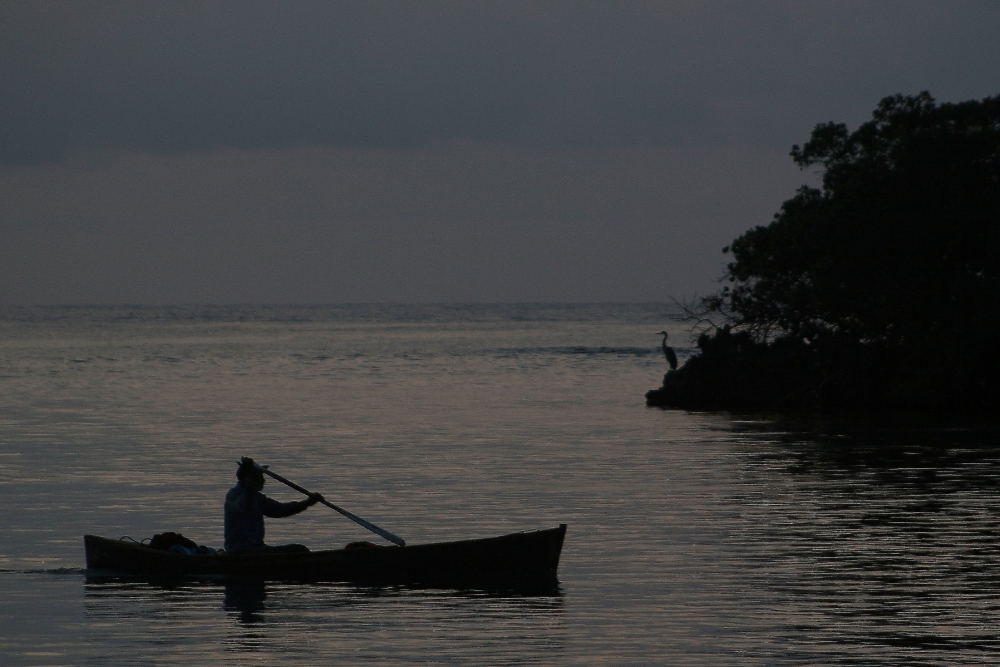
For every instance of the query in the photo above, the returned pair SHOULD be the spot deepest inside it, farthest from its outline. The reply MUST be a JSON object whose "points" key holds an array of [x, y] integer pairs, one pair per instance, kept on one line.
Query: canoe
{"points": [[519, 560]]}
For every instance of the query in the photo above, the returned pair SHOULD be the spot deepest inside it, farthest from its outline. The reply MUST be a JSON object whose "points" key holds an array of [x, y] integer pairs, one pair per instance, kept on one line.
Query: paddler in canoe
{"points": [[525, 560], [246, 508]]}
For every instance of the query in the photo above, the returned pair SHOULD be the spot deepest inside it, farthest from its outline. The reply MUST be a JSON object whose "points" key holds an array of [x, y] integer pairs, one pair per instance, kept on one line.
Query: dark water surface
{"points": [[694, 539]]}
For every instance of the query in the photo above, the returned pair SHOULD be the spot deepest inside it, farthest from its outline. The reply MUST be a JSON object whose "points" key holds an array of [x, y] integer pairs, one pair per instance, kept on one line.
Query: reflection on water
{"points": [[695, 539], [876, 538], [750, 541], [246, 597], [303, 623]]}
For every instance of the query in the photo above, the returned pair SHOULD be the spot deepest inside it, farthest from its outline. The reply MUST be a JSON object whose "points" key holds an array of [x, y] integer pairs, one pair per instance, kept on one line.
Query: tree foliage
{"points": [[890, 273]]}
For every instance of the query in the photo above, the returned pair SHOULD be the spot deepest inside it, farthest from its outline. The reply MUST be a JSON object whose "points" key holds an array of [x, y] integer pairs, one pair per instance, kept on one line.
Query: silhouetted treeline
{"points": [[882, 289]]}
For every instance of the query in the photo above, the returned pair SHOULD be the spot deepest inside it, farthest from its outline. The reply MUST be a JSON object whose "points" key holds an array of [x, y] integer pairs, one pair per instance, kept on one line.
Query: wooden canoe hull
{"points": [[528, 559]]}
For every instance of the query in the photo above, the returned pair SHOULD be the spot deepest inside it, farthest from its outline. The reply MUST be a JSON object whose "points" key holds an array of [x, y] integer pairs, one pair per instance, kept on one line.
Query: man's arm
{"points": [[276, 510]]}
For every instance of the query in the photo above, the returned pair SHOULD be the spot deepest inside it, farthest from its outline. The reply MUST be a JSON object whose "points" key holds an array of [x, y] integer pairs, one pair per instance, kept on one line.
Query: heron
{"points": [[668, 352]]}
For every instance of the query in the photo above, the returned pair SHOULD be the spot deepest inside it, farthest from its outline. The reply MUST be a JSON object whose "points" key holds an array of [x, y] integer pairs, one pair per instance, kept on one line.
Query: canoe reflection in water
{"points": [[247, 597], [256, 622]]}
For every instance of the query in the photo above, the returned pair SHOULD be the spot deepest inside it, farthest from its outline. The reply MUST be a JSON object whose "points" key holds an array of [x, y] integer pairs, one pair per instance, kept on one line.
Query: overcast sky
{"points": [[326, 152]]}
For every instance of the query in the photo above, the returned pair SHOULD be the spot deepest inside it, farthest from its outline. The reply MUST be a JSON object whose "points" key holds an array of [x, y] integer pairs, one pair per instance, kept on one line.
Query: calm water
{"points": [[694, 539]]}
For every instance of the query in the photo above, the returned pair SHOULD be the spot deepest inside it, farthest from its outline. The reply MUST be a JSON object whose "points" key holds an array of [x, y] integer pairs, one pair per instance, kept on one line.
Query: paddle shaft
{"points": [[395, 539]]}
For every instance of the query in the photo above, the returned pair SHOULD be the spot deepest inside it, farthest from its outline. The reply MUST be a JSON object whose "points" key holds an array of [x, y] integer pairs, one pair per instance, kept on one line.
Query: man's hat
{"points": [[247, 468]]}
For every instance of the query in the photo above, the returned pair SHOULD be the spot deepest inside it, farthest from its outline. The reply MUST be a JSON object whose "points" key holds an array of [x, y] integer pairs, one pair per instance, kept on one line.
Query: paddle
{"points": [[353, 517]]}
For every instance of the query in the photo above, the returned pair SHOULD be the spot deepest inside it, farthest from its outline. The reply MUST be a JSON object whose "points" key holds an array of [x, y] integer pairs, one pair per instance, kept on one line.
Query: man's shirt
{"points": [[244, 517]]}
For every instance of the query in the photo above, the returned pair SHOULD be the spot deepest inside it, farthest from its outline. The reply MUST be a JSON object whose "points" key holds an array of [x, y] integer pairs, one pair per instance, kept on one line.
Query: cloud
{"points": [[192, 76], [465, 221], [430, 151]]}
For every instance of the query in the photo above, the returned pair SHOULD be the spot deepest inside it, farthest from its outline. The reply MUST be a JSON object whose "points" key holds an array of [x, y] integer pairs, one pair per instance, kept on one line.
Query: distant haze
{"points": [[430, 151]]}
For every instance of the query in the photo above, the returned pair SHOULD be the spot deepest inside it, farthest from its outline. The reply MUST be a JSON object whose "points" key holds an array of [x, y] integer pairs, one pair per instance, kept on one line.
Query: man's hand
{"points": [[315, 498]]}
